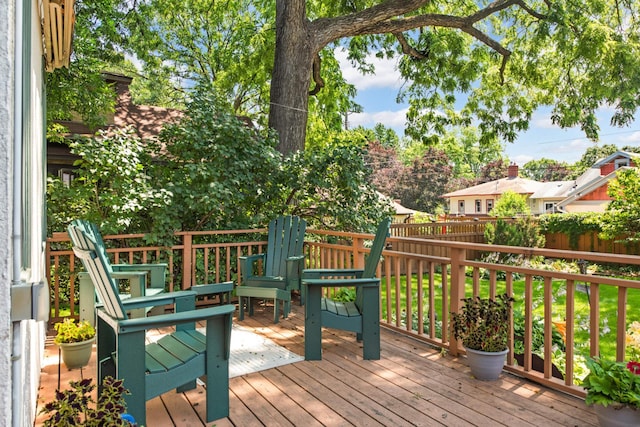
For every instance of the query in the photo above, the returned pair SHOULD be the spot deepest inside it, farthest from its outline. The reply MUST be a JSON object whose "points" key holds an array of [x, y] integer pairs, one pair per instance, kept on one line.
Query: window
{"points": [[478, 206], [549, 207], [622, 162], [66, 176], [489, 205], [461, 207]]}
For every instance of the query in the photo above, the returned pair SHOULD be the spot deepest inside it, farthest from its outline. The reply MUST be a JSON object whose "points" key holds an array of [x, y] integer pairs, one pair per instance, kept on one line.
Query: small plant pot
{"points": [[617, 416], [486, 366], [76, 354]]}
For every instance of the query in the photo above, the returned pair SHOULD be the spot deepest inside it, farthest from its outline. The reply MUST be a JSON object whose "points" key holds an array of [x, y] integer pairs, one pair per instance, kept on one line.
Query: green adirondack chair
{"points": [[361, 316], [174, 361], [145, 279], [274, 274]]}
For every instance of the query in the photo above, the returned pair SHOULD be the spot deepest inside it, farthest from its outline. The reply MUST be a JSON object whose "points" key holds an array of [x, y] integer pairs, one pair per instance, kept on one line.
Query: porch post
{"points": [[457, 291]]}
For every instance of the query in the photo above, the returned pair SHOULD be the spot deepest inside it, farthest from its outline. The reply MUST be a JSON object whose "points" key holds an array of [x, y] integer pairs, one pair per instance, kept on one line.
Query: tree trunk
{"points": [[291, 75]]}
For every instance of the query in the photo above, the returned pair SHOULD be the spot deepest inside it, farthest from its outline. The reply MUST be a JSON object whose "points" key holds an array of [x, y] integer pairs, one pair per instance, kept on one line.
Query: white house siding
{"points": [[470, 205], [586, 206], [7, 17], [21, 341]]}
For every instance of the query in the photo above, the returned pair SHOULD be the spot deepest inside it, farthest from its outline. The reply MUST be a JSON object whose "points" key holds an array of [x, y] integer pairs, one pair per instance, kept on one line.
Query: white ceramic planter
{"points": [[486, 366], [76, 354]]}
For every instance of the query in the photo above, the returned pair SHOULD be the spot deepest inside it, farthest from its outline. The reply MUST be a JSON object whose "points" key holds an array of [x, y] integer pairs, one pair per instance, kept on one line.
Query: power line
{"points": [[584, 137]]}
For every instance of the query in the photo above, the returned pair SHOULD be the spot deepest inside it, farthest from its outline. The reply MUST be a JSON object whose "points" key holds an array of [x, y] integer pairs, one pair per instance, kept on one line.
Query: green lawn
{"points": [[608, 307]]}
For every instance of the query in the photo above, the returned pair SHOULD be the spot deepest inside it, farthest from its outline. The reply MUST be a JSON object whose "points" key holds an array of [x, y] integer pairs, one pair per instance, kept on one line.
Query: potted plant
{"points": [[75, 406], [75, 341], [614, 390], [483, 327]]}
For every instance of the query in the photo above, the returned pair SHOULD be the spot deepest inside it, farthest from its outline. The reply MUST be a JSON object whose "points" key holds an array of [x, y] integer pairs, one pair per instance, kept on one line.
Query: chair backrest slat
{"points": [[97, 264], [373, 258], [285, 239]]}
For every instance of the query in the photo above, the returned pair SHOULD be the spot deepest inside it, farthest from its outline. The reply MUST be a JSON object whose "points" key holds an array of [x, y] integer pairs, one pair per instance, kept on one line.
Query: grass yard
{"points": [[608, 307]]}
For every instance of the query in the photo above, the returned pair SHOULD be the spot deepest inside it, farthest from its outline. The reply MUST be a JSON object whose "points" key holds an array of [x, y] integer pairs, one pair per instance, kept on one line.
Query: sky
{"points": [[377, 95]]}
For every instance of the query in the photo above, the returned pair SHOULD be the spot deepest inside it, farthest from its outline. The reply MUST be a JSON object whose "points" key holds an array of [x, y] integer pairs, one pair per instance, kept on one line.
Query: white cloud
{"points": [[521, 159], [391, 119], [386, 75], [631, 139]]}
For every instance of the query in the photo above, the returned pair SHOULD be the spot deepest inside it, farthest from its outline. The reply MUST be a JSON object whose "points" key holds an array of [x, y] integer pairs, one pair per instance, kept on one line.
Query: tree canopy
{"points": [[490, 63]]}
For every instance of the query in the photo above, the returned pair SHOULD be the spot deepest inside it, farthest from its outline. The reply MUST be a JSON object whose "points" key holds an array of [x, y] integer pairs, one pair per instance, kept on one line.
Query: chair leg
{"points": [[241, 303], [217, 390], [131, 368], [276, 310]]}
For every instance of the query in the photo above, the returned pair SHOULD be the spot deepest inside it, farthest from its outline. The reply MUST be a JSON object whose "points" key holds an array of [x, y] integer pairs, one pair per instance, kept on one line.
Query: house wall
{"points": [[22, 217], [586, 206], [7, 13], [470, 205], [598, 194]]}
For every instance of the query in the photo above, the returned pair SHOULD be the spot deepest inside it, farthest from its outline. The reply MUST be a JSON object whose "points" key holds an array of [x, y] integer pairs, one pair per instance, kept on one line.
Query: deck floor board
{"points": [[412, 384]]}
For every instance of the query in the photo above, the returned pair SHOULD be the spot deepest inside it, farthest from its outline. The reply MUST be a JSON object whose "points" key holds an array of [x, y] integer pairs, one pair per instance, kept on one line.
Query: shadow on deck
{"points": [[412, 384]]}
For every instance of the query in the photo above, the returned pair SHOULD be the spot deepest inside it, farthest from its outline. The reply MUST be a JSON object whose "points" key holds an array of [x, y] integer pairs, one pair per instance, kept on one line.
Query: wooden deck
{"points": [[412, 384]]}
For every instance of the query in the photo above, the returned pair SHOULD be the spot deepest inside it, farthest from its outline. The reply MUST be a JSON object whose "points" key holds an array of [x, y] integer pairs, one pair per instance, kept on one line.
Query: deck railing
{"points": [[423, 281]]}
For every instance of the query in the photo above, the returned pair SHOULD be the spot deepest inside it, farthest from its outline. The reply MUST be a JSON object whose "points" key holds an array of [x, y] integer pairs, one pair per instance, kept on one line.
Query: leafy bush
{"points": [[521, 232], [483, 323], [572, 224]]}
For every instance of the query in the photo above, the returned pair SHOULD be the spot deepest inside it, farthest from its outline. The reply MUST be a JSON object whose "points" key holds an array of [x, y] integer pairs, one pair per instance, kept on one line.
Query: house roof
{"points": [[588, 187], [499, 186], [553, 190], [147, 120], [614, 156]]}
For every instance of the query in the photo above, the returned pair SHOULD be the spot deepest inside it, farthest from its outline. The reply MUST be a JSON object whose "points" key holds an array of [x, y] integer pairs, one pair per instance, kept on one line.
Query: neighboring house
{"points": [[24, 291], [479, 200], [589, 192], [146, 120]]}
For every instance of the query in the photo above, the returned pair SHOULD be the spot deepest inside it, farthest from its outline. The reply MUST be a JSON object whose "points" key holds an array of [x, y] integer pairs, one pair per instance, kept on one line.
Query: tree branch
{"points": [[317, 78], [407, 49]]}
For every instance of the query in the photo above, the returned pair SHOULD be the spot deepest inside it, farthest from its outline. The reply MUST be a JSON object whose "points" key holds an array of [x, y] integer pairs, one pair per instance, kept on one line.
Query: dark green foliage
{"points": [[218, 171], [537, 334], [331, 190], [522, 232], [111, 186], [483, 323], [622, 218], [75, 406], [572, 224], [611, 383]]}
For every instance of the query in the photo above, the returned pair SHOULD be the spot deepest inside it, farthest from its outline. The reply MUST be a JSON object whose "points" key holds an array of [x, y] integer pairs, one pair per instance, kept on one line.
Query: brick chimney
{"points": [[513, 171]]}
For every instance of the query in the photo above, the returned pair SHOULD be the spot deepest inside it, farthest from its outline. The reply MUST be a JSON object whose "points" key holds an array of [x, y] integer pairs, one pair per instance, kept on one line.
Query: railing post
{"points": [[358, 253], [457, 291], [187, 241]]}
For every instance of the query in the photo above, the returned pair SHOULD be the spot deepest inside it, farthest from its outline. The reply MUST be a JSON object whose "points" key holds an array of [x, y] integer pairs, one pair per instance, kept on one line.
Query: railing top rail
{"points": [[548, 253]]}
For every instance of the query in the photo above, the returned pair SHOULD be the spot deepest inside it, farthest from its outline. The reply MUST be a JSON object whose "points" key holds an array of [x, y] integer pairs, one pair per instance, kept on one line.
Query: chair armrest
{"points": [[251, 258], [341, 283], [212, 288], [158, 299], [329, 272], [171, 319], [246, 265], [128, 274], [157, 272]]}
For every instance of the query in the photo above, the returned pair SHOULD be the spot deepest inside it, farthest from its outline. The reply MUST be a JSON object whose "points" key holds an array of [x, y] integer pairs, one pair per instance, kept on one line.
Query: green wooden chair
{"points": [[361, 316], [274, 274], [174, 361], [145, 279]]}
